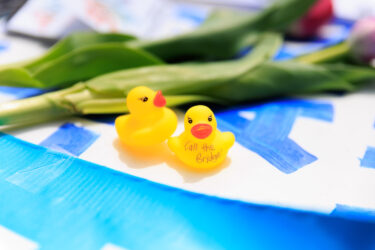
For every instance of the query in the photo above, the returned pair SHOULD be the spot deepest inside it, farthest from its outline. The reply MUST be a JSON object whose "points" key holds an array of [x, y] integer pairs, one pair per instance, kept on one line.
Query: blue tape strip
{"points": [[267, 134], [368, 160], [41, 172], [192, 14], [354, 212], [20, 93], [3, 46], [86, 206], [70, 139]]}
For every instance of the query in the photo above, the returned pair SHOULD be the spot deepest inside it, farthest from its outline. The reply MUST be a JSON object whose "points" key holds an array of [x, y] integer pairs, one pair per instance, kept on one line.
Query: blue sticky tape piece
{"points": [[3, 46], [357, 213], [186, 11], [40, 172], [87, 206], [70, 139], [368, 159], [267, 134], [21, 93], [192, 15]]}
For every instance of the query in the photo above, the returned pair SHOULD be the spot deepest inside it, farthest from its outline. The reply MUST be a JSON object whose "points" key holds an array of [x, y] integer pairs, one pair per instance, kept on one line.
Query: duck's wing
{"points": [[228, 138], [120, 122], [173, 143], [142, 133]]}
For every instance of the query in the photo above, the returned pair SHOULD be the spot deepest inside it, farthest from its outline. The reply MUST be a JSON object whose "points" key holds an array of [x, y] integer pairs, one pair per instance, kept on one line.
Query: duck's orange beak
{"points": [[159, 100], [201, 130]]}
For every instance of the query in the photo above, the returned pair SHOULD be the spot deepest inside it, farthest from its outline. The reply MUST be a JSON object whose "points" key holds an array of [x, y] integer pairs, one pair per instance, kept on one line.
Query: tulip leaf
{"points": [[90, 61], [73, 42], [186, 78], [276, 79], [18, 77], [81, 64], [46, 71]]}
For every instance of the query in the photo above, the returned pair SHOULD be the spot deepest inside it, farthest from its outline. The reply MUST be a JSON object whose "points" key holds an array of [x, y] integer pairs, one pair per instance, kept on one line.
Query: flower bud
{"points": [[307, 26], [362, 41]]}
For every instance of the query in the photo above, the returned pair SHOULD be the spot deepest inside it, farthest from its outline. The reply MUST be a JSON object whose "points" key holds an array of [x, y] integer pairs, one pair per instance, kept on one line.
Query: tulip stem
{"points": [[329, 54]]}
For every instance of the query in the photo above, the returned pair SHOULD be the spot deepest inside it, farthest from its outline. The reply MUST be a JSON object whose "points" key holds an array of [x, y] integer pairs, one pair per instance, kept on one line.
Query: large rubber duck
{"points": [[201, 145], [149, 122]]}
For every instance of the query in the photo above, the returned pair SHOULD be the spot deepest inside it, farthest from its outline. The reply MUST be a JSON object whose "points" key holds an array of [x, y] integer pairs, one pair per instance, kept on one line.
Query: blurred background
{"points": [[49, 20]]}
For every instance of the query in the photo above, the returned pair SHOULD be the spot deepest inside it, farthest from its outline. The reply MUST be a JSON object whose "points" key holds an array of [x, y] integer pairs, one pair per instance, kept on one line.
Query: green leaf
{"points": [[275, 79], [185, 78], [18, 77], [81, 64], [90, 61], [45, 71], [73, 42], [337, 52], [352, 73]]}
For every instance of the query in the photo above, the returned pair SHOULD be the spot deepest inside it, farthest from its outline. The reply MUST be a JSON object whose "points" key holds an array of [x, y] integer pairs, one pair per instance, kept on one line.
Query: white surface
{"points": [[17, 48], [11, 240]]}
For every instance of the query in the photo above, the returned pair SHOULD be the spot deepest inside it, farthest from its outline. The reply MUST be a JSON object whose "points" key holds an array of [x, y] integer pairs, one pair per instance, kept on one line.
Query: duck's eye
{"points": [[145, 99], [210, 118], [190, 120]]}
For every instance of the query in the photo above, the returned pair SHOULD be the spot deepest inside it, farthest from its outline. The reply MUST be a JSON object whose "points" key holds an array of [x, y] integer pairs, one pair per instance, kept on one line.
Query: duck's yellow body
{"points": [[201, 145], [149, 122]]}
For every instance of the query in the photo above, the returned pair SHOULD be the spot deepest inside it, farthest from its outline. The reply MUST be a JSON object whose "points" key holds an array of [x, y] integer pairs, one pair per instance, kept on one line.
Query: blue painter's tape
{"points": [[3, 46], [88, 206], [70, 139], [191, 13], [20, 93], [267, 134], [368, 160], [357, 213], [40, 172]]}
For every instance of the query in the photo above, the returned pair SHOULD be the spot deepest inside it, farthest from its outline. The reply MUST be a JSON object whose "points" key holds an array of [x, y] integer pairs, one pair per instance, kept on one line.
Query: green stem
{"points": [[30, 110], [39, 108], [329, 54]]}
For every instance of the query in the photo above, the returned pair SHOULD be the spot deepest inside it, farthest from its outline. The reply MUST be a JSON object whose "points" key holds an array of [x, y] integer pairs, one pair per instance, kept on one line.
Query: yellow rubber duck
{"points": [[201, 145], [149, 122]]}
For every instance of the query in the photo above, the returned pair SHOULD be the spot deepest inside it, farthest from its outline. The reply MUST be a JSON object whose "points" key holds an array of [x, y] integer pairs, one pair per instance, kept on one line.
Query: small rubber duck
{"points": [[149, 122], [201, 145]]}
